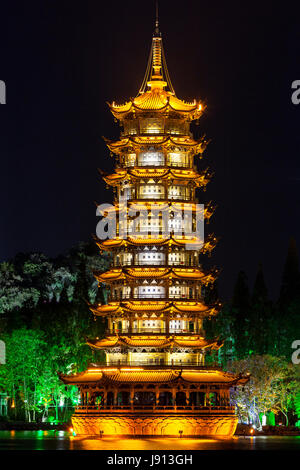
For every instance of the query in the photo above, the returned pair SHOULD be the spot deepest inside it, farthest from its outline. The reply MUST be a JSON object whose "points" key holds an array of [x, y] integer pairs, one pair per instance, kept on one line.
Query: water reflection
{"points": [[60, 440]]}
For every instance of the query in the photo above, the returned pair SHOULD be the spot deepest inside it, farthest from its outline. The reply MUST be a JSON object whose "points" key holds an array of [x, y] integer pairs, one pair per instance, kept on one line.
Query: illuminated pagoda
{"points": [[155, 381]]}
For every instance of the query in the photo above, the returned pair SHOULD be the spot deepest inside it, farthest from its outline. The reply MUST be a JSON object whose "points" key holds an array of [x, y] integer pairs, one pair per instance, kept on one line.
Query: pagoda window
{"points": [[197, 398], [127, 258], [151, 258], [178, 159], [176, 224], [176, 126], [177, 258], [151, 157], [157, 292], [176, 326], [165, 398], [178, 292], [150, 225], [152, 126], [180, 399], [130, 159], [126, 193], [151, 191], [130, 127], [213, 399], [178, 192], [125, 292]]}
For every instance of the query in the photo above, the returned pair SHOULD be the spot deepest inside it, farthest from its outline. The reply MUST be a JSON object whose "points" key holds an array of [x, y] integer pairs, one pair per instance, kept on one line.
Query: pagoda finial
{"points": [[157, 75], [156, 31]]}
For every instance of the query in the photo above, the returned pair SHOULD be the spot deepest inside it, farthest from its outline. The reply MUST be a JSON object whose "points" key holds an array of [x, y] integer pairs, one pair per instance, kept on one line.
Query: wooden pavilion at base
{"points": [[163, 401], [155, 381]]}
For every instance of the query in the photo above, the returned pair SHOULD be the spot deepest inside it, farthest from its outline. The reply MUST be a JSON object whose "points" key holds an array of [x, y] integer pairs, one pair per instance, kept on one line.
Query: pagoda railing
{"points": [[161, 365], [153, 163], [149, 330], [145, 296], [166, 199], [157, 263], [156, 408]]}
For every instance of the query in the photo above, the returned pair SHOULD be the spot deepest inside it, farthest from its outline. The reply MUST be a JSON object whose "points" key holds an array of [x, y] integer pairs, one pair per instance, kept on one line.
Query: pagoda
{"points": [[155, 381]]}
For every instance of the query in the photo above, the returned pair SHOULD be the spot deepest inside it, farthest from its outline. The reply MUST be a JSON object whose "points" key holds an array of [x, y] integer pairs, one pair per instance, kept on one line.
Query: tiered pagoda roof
{"points": [[186, 308], [207, 246], [139, 375], [157, 273], [164, 141], [172, 341], [136, 174]]}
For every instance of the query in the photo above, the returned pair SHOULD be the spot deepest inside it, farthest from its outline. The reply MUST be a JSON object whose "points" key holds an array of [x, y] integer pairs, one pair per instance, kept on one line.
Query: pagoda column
{"points": [[187, 396], [207, 400], [156, 396], [174, 397], [130, 324], [131, 397], [167, 324], [115, 392]]}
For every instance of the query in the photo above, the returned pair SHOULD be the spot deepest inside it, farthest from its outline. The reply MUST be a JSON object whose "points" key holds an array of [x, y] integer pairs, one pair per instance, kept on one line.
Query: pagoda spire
{"points": [[156, 31], [157, 75]]}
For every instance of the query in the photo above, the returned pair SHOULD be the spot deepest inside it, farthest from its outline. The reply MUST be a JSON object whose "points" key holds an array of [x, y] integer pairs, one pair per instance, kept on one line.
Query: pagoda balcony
{"points": [[150, 331], [153, 198], [147, 264], [163, 365], [153, 164], [222, 409], [145, 296]]}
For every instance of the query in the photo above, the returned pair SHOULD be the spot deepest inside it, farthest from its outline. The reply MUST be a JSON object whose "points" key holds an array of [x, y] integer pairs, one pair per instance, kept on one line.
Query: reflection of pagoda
{"points": [[154, 381]]}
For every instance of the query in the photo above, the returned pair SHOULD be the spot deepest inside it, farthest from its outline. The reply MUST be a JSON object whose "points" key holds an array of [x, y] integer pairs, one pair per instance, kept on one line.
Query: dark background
{"points": [[62, 60]]}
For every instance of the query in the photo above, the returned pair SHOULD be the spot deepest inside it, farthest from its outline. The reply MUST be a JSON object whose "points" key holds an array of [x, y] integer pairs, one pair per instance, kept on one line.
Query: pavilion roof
{"points": [[134, 143], [173, 341], [147, 272], [209, 242], [138, 375], [199, 179], [185, 308]]}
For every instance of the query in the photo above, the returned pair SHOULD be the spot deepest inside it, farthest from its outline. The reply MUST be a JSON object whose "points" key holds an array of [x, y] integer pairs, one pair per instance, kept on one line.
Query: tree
{"points": [[25, 354], [272, 387]]}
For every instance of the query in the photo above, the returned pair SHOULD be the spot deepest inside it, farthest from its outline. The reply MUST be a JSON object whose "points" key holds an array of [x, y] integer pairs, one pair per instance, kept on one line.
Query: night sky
{"points": [[62, 60]]}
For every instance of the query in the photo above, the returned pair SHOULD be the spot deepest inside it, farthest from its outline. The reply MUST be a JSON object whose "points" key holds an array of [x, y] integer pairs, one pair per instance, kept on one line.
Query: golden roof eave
{"points": [[101, 375], [160, 101], [198, 179], [147, 272], [148, 340], [172, 308], [135, 142]]}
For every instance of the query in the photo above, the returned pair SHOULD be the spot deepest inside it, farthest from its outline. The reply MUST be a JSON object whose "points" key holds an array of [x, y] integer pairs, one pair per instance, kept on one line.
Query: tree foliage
{"points": [[45, 321]]}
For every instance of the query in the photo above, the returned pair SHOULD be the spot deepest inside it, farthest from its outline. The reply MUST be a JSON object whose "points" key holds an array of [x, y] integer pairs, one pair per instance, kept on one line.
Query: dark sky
{"points": [[62, 60]]}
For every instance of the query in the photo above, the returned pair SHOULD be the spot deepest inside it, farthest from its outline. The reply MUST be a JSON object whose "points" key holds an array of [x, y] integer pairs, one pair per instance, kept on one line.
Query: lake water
{"points": [[61, 440]]}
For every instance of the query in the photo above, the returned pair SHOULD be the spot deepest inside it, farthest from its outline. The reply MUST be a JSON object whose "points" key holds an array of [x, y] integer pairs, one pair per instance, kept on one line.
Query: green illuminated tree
{"points": [[273, 385]]}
